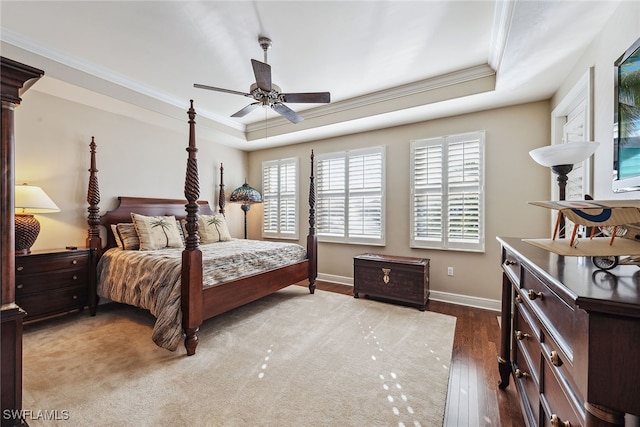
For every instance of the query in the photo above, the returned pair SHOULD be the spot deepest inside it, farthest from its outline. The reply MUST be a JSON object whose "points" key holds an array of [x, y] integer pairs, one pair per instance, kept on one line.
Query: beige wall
{"points": [[134, 158], [512, 179], [621, 31]]}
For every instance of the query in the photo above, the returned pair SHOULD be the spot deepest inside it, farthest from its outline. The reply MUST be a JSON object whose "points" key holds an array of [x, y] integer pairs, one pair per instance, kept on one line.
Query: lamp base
{"points": [[27, 230]]}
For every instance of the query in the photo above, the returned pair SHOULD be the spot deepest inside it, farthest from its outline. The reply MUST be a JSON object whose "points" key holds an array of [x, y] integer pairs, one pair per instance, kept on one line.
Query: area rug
{"points": [[290, 359]]}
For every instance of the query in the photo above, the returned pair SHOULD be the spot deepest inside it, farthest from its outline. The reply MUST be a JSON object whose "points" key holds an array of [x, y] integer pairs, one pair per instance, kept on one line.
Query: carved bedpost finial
{"points": [[192, 185], [222, 198], [93, 198]]}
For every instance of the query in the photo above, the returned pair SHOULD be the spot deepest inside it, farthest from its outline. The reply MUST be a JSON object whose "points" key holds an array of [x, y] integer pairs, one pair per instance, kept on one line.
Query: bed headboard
{"points": [[149, 207]]}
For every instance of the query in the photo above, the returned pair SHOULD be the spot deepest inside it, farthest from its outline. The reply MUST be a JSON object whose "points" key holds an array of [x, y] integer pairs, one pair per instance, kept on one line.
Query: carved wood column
{"points": [[16, 78]]}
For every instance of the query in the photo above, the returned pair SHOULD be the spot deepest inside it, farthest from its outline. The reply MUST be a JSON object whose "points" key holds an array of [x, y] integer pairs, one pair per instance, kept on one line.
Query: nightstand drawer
{"points": [[36, 283], [49, 303], [44, 263]]}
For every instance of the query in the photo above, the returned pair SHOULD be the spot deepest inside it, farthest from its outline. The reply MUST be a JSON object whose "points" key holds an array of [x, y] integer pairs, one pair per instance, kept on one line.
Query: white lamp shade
{"points": [[30, 199], [564, 154]]}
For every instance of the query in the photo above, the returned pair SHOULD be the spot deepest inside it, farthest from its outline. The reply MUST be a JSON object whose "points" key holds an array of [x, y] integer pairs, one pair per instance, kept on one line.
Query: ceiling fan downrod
{"points": [[265, 44]]}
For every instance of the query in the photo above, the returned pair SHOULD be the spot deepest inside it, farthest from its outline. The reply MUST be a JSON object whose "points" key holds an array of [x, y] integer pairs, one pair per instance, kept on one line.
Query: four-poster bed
{"points": [[195, 296]]}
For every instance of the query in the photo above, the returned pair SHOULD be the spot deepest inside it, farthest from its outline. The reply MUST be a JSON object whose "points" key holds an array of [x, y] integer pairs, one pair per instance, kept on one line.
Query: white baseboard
{"points": [[466, 300], [341, 280], [484, 303]]}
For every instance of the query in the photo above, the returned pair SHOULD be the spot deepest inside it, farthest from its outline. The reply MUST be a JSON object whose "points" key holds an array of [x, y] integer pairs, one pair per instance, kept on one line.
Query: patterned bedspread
{"points": [[151, 279]]}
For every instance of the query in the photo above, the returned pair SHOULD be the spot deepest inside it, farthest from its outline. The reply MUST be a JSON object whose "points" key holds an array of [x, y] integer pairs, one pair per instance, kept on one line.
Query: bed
{"points": [[192, 289]]}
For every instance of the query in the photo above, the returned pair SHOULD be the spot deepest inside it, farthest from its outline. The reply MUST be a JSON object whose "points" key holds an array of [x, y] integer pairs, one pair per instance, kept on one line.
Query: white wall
{"points": [[620, 32], [134, 158], [512, 179]]}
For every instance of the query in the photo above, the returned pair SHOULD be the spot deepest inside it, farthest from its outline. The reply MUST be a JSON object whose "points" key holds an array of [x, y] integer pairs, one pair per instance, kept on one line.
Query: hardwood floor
{"points": [[474, 398]]}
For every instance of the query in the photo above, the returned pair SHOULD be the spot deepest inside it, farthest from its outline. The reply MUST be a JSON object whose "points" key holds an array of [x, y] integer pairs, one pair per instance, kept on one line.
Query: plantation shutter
{"points": [[350, 194], [447, 180], [280, 196]]}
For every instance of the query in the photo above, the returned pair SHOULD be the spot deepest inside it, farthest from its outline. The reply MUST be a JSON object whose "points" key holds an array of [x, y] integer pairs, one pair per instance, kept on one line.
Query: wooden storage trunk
{"points": [[396, 278]]}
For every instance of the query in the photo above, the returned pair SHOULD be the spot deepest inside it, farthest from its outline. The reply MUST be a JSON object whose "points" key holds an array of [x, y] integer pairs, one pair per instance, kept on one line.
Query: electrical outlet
{"points": [[449, 271]]}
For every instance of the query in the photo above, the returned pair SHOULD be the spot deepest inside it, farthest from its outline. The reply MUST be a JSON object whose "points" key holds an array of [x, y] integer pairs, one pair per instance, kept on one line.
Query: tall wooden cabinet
{"points": [[16, 78], [570, 338]]}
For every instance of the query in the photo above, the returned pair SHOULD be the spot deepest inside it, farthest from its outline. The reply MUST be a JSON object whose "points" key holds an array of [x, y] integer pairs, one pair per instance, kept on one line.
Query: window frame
{"points": [[346, 237], [445, 241], [279, 197]]}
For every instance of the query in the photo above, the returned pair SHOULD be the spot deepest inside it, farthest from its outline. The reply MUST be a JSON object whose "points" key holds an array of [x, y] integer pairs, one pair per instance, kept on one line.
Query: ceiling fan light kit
{"points": [[268, 94]]}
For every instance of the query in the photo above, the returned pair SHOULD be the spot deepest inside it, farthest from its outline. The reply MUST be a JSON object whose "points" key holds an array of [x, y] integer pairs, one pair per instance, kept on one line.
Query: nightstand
{"points": [[52, 282]]}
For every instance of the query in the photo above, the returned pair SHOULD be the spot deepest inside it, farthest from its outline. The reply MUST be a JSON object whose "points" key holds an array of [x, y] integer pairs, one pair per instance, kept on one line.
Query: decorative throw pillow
{"points": [[114, 230], [157, 232], [213, 228], [128, 236]]}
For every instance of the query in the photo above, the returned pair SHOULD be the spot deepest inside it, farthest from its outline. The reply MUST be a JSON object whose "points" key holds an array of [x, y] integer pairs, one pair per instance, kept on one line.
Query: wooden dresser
{"points": [[52, 282], [570, 338], [396, 278]]}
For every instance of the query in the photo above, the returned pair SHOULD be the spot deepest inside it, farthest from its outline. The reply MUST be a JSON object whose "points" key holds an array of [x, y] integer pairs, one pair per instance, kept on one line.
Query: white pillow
{"points": [[213, 228], [157, 232]]}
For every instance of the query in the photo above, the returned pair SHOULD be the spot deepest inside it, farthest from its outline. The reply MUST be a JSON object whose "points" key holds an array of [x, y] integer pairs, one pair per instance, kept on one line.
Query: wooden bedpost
{"points": [[93, 198], [312, 239], [221, 196], [191, 284], [94, 242]]}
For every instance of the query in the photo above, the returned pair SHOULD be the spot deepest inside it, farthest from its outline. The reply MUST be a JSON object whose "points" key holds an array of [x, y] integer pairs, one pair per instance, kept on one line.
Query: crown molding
{"points": [[70, 62], [422, 86]]}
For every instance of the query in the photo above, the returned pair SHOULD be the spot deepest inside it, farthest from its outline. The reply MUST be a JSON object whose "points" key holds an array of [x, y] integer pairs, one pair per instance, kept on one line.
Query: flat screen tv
{"points": [[626, 154]]}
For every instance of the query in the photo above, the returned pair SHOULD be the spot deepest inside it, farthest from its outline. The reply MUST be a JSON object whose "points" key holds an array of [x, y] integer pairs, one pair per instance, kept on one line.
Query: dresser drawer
{"points": [[556, 316], [528, 387], [397, 278], [557, 402], [44, 304], [526, 336], [511, 266], [34, 283]]}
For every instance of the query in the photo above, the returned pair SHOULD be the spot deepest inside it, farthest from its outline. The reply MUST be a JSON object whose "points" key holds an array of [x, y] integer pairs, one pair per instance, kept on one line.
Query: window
{"points": [[280, 198], [350, 196], [447, 192]]}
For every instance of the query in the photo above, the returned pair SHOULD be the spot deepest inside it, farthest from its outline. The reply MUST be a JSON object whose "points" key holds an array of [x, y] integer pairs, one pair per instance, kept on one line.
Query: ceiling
{"points": [[386, 63]]}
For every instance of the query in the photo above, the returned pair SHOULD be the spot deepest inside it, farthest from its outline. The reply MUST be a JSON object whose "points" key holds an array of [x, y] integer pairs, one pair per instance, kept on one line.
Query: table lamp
{"points": [[29, 200], [246, 195]]}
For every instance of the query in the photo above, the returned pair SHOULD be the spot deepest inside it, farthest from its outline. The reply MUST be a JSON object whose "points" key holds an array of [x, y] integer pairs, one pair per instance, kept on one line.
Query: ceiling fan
{"points": [[267, 94]]}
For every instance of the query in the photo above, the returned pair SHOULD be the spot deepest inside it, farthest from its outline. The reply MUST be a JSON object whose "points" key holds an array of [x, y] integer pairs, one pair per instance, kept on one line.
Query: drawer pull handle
{"points": [[521, 374], [20, 286], [385, 277], [555, 358], [521, 335], [533, 294], [556, 422], [20, 268], [75, 297], [75, 277], [75, 261], [519, 298], [509, 262]]}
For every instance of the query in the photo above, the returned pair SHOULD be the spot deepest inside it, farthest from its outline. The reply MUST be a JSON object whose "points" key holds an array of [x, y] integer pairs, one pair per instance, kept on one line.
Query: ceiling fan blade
{"points": [[262, 72], [309, 97], [234, 92], [246, 110], [287, 112]]}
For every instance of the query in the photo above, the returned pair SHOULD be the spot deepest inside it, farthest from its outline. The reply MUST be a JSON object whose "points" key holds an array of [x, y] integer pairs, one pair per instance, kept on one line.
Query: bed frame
{"points": [[198, 303]]}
